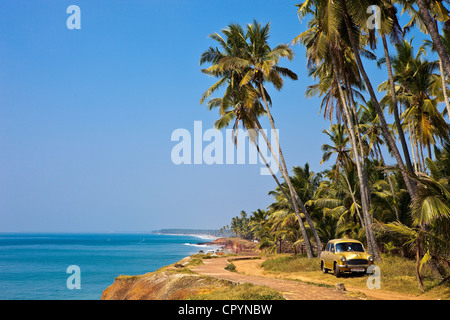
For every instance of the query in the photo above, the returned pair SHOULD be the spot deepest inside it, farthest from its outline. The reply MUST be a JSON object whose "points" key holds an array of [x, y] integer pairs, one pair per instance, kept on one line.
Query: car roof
{"points": [[344, 240]]}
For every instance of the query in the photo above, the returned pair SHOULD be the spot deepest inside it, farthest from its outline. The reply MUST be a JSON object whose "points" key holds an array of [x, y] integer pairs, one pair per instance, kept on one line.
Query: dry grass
{"points": [[397, 275], [244, 291]]}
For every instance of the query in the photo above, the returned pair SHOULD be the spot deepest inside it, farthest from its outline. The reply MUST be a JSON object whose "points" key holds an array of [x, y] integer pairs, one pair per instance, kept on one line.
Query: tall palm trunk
{"points": [[388, 176], [363, 185], [434, 33], [413, 149], [395, 106], [361, 154], [295, 198], [387, 135], [418, 254], [353, 198], [444, 86], [301, 224], [289, 199]]}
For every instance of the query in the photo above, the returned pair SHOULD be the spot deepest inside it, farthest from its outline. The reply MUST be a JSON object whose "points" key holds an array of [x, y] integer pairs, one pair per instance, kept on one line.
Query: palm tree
{"points": [[446, 41], [371, 128], [263, 67], [442, 14], [326, 47], [353, 13], [343, 160], [428, 233], [258, 225], [415, 77], [336, 208], [390, 26], [237, 61]]}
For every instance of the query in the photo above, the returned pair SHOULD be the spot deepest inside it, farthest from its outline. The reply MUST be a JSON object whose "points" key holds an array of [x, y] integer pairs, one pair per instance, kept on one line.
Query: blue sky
{"points": [[86, 115]]}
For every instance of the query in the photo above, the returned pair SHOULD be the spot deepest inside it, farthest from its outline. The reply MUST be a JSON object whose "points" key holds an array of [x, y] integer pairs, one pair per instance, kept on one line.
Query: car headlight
{"points": [[370, 259], [343, 259]]}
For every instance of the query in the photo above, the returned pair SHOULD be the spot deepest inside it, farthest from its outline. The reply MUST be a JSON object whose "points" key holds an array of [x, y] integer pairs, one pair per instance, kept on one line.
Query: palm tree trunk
{"points": [[434, 33], [395, 107], [364, 187], [388, 176], [444, 87], [353, 198], [361, 153], [420, 146], [417, 146], [286, 177], [387, 135], [418, 253], [430, 155], [413, 149], [273, 174]]}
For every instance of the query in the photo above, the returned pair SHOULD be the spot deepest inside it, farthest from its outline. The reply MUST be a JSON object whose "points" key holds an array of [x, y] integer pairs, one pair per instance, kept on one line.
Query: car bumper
{"points": [[353, 268]]}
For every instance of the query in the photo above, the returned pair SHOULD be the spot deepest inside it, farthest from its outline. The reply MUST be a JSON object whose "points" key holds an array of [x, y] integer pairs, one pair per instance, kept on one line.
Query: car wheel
{"points": [[336, 271], [322, 266]]}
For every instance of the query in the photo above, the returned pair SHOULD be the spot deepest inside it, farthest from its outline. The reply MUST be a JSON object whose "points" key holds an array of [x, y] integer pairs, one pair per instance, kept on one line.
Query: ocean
{"points": [[36, 266]]}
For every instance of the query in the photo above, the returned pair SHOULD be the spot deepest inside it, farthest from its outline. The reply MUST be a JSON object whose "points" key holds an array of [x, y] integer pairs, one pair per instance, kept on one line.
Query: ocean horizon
{"points": [[34, 266]]}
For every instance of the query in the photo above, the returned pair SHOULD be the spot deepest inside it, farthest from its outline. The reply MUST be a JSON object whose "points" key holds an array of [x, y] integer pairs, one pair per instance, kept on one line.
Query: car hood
{"points": [[354, 255]]}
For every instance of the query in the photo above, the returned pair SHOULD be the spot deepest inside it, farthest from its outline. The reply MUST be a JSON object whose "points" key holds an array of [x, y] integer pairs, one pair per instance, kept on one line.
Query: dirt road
{"points": [[291, 290], [250, 271]]}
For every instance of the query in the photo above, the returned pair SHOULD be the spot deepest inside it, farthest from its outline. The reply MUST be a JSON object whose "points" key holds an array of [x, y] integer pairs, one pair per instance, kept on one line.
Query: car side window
{"points": [[332, 247], [328, 247]]}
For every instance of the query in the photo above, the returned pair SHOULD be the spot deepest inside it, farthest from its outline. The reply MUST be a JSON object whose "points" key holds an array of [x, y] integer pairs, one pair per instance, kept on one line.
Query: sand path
{"points": [[291, 290], [250, 271]]}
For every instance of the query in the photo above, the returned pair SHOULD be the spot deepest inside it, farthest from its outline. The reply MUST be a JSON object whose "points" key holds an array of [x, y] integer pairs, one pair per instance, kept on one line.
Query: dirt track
{"points": [[291, 290], [251, 272]]}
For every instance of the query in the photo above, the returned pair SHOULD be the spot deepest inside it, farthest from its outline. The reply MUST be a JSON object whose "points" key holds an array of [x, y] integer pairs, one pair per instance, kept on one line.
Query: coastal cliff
{"points": [[174, 282], [164, 285]]}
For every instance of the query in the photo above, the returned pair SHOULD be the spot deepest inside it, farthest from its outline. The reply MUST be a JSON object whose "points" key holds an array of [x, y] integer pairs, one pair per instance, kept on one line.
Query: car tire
{"points": [[336, 271], [322, 266]]}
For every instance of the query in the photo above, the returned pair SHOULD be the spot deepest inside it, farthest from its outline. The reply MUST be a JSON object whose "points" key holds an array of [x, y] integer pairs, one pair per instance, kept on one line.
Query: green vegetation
{"points": [[231, 267], [244, 291], [401, 208]]}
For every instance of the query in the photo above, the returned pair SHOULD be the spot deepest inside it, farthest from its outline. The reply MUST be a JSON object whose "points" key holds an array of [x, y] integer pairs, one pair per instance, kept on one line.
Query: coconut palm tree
{"points": [[343, 163], [415, 77], [263, 61], [428, 9], [443, 83], [428, 232], [258, 224], [325, 46], [236, 62], [353, 14], [304, 182], [389, 25]]}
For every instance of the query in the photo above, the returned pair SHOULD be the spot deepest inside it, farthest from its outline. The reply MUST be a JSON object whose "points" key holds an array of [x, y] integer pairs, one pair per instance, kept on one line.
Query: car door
{"points": [[330, 257], [326, 255]]}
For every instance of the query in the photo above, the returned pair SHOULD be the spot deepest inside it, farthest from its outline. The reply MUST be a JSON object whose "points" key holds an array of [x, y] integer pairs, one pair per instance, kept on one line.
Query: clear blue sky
{"points": [[86, 115]]}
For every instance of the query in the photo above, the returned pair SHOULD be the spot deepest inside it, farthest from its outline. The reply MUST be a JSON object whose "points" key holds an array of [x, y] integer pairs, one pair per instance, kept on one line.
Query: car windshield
{"points": [[349, 246]]}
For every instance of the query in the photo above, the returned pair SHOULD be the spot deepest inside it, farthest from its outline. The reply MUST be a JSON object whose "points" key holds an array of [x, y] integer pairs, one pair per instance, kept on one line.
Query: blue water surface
{"points": [[34, 266]]}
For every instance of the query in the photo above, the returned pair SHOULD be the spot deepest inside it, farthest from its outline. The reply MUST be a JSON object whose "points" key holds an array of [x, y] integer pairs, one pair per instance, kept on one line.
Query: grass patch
{"points": [[129, 278], [244, 291], [194, 262], [230, 267], [397, 275], [291, 264]]}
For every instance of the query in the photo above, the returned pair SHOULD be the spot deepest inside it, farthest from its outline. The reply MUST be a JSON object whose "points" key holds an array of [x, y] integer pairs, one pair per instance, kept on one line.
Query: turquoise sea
{"points": [[34, 266]]}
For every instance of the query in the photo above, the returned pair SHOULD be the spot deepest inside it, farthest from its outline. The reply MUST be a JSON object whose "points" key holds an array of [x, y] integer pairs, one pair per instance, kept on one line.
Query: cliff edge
{"points": [[164, 285]]}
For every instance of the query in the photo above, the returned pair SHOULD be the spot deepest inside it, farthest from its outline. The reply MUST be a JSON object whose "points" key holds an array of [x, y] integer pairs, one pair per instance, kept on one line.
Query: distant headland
{"points": [[207, 232]]}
